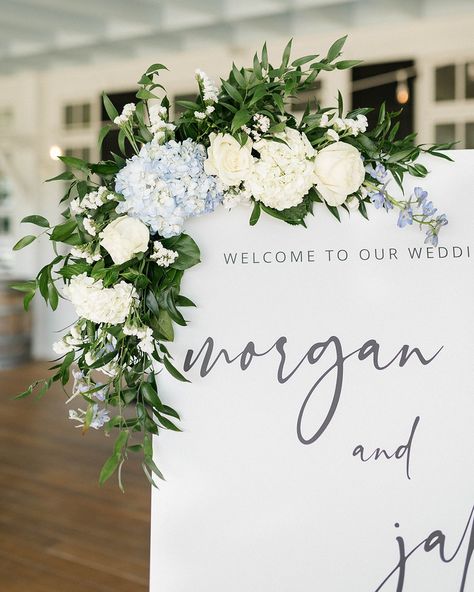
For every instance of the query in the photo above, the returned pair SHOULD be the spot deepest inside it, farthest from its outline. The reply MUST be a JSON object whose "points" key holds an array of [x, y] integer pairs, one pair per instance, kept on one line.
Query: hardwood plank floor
{"points": [[60, 531]]}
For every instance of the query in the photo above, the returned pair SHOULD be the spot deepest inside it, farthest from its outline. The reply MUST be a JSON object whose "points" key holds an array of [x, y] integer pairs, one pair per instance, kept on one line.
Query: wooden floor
{"points": [[59, 531]]}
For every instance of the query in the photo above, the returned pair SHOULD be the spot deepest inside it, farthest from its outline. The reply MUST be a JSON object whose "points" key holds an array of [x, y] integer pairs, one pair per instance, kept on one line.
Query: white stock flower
{"points": [[98, 304], [332, 135], [124, 238], [352, 203], [339, 172], [90, 226], [126, 114], [61, 347], [207, 86], [228, 160], [284, 173], [162, 256]]}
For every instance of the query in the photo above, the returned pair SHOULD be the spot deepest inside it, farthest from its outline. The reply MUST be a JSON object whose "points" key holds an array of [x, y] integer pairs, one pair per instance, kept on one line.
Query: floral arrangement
{"points": [[124, 218]]}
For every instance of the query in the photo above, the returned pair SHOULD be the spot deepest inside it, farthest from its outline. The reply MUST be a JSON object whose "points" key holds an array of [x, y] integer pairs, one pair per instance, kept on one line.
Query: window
{"points": [[445, 83], [445, 133], [310, 95], [469, 80], [177, 108], [82, 152], [77, 115], [470, 134], [4, 225]]}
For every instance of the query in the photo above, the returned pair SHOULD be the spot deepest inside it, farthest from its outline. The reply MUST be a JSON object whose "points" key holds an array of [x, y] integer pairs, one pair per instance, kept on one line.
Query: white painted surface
{"points": [[246, 506]]}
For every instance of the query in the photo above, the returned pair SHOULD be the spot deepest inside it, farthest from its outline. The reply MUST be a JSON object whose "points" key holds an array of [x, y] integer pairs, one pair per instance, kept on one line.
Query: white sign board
{"points": [[327, 440]]}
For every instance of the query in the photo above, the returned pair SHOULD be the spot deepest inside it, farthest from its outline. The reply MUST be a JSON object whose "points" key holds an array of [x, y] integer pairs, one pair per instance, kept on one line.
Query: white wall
{"points": [[38, 98]]}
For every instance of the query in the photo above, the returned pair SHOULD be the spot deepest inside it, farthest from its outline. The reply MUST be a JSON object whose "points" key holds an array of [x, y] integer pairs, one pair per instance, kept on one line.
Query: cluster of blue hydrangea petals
{"points": [[165, 184]]}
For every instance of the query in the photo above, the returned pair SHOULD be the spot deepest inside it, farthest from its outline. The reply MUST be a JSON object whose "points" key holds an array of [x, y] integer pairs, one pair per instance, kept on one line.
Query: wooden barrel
{"points": [[15, 328]]}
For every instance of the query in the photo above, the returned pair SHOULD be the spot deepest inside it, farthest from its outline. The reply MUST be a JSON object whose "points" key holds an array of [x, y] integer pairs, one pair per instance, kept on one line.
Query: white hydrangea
{"points": [[162, 256], [127, 112], [284, 173], [98, 304]]}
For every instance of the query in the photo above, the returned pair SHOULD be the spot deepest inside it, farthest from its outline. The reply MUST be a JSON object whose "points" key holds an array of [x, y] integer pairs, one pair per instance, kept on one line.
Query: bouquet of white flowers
{"points": [[235, 143]]}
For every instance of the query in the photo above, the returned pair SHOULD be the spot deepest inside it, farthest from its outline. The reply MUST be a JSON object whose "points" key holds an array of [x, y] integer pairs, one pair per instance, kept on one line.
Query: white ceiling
{"points": [[36, 34]]}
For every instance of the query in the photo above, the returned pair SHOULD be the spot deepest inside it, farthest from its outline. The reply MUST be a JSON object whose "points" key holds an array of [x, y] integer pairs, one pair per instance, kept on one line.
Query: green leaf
{"points": [[238, 76], [334, 211], [102, 135], [183, 301], [120, 442], [151, 396], [66, 176], [27, 299], [335, 49], [304, 60], [240, 119], [24, 242], [109, 468], [165, 325], [37, 220], [145, 94], [75, 163], [166, 423], [109, 107], [170, 411], [286, 54], [173, 371], [53, 296], [152, 466], [103, 360], [265, 57], [63, 231], [187, 249], [26, 393], [155, 68], [189, 105], [29, 286], [232, 92], [345, 64], [255, 214]]}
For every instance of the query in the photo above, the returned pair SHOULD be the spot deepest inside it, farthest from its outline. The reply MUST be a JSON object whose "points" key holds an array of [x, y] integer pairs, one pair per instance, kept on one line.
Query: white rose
{"points": [[124, 238], [228, 160], [339, 172]]}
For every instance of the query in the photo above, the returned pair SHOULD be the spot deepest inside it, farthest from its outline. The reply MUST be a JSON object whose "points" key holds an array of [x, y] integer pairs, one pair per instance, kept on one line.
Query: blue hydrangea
{"points": [[165, 184]]}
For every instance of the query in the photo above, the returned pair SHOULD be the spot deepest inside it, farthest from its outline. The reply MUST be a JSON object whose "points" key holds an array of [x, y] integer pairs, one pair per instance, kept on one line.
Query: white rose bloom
{"points": [[339, 172], [124, 238], [284, 173], [228, 160]]}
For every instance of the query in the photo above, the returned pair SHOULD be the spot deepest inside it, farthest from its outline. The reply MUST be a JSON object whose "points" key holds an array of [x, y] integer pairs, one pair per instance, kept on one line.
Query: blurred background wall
{"points": [[57, 56]]}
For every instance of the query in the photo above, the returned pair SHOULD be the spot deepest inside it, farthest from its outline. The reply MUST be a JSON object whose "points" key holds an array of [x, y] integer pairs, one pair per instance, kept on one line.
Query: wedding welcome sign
{"points": [[327, 437]]}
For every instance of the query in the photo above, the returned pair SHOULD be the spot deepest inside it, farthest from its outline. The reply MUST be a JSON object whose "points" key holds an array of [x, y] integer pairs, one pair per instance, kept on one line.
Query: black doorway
{"points": [[392, 82]]}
